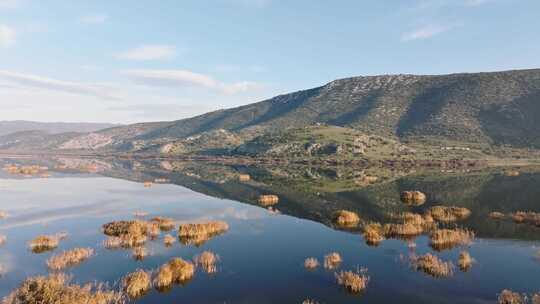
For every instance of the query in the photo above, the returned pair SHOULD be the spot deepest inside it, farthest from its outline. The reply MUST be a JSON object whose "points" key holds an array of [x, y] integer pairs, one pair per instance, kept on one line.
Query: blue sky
{"points": [[130, 61]]}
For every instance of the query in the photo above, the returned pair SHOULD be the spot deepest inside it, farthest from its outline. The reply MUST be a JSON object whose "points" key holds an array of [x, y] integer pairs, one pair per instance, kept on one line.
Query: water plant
{"points": [[432, 265], [332, 260], [136, 284], [311, 263], [353, 281], [69, 258], [207, 260]]}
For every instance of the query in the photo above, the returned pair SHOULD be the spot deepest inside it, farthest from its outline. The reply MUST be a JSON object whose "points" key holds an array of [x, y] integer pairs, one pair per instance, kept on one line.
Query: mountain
{"points": [[469, 109], [7, 127]]}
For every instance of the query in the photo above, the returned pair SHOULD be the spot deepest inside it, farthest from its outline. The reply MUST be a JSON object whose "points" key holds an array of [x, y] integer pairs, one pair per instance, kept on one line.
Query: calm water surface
{"points": [[262, 254]]}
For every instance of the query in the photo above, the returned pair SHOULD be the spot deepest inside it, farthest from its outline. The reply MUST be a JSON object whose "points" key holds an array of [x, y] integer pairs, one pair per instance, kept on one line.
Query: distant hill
{"points": [[481, 109], [7, 127]]}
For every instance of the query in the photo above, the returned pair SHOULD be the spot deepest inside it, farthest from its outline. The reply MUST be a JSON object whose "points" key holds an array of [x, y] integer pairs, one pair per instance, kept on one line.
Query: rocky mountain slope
{"points": [[482, 109], [8, 127]]}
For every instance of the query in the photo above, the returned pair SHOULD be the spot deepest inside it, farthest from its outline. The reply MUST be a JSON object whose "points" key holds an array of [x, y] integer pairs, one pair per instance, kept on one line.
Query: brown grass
{"points": [[402, 230], [198, 233], [530, 217], [373, 234], [496, 215], [441, 239], [69, 258], [413, 198], [153, 230], [268, 200], [309, 301], [465, 261], [128, 234], [509, 297], [353, 281], [448, 213], [3, 214], [165, 223], [311, 263], [139, 253], [346, 218], [55, 289], [136, 284], [163, 279], [182, 270], [433, 266], [332, 260], [3, 239], [44, 243], [207, 261], [244, 177], [120, 228], [169, 240], [148, 184]]}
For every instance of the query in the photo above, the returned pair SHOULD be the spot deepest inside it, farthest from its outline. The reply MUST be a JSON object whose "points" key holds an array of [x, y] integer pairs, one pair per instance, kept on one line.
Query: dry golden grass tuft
{"points": [[129, 234], [413, 198], [3, 239], [136, 284], [332, 260], [509, 297], [465, 261], [169, 240], [3, 214], [163, 279], [402, 230], [268, 200], [44, 243], [148, 184], [311, 263], [244, 177], [530, 217], [120, 228], [511, 173], [433, 266], [207, 261], [353, 281], [346, 218], [182, 270], [55, 289], [198, 233], [441, 239], [153, 230], [373, 234], [448, 213], [69, 258], [164, 223], [496, 215], [309, 301], [139, 253]]}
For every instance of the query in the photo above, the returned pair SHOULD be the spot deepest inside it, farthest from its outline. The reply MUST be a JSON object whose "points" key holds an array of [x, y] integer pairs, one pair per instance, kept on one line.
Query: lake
{"points": [[261, 256]]}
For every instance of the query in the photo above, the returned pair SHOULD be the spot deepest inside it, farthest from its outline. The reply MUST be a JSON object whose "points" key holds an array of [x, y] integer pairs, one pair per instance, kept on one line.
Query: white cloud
{"points": [[7, 36], [95, 19], [149, 52], [183, 78], [426, 32], [30, 81]]}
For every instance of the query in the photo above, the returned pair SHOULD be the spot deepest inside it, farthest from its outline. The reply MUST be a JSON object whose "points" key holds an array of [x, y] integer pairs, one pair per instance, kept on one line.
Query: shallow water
{"points": [[262, 254]]}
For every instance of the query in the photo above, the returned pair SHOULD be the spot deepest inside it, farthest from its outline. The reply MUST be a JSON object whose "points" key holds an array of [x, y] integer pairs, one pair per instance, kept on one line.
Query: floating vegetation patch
{"points": [[120, 228], [268, 200], [169, 240], [207, 261], [373, 234], [55, 288], [244, 177], [465, 261], [136, 284], [448, 213], [496, 215], [346, 218], [311, 263], [413, 198], [176, 271], [509, 297], [441, 239], [69, 258], [532, 218], [3, 239], [164, 223], [353, 281], [45, 243], [432, 265], [139, 253], [3, 214], [405, 230], [198, 233], [332, 260]]}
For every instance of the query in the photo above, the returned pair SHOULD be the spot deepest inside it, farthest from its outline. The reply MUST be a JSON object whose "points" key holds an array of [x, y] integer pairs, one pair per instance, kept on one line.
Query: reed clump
{"points": [[413, 198], [136, 284], [346, 218], [139, 253], [55, 289], [244, 177], [433, 265], [403, 230], [3, 239], [496, 215], [268, 200], [69, 258], [169, 240], [509, 297], [448, 238], [153, 230], [465, 261], [448, 213], [164, 223], [311, 263], [44, 243], [207, 261], [128, 234], [354, 282], [529, 217], [177, 270], [198, 233], [332, 260], [309, 301], [373, 234], [3, 214], [120, 228]]}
